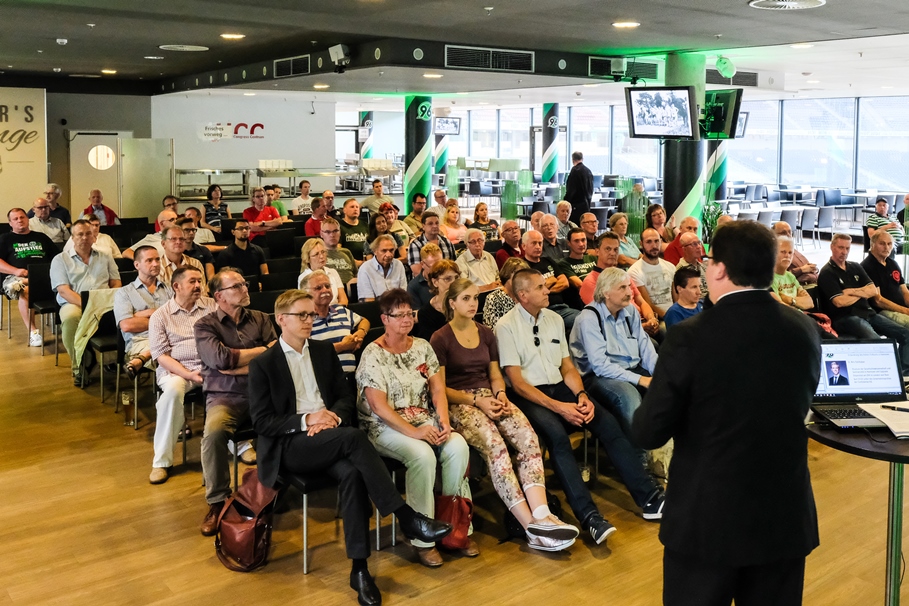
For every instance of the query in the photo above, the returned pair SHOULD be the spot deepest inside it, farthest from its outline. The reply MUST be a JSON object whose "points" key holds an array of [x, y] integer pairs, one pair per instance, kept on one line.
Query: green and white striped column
{"points": [[418, 146], [550, 142], [440, 154], [365, 148], [717, 151]]}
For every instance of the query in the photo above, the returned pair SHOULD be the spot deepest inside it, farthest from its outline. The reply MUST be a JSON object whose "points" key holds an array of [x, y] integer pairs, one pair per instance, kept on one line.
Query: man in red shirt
{"points": [[262, 218], [511, 245], [320, 208], [674, 251]]}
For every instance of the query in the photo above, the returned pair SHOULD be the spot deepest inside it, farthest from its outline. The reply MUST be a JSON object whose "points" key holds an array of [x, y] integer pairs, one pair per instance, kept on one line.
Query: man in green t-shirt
{"points": [[274, 199], [785, 286]]}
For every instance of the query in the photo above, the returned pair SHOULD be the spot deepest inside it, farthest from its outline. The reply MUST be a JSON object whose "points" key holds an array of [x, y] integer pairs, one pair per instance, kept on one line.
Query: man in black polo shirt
{"points": [[556, 277], [893, 300], [196, 251], [845, 291], [249, 258]]}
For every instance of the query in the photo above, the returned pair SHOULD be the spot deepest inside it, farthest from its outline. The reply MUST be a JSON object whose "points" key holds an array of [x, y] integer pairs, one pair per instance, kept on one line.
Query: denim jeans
{"points": [[621, 398], [554, 430], [873, 328], [568, 314]]}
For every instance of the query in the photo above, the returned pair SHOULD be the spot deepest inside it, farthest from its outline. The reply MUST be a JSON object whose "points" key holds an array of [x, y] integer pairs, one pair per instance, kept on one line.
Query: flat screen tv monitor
{"points": [[447, 126], [721, 113], [662, 112], [743, 123]]}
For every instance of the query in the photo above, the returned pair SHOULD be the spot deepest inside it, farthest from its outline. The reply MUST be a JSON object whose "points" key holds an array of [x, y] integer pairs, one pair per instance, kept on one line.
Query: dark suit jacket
{"points": [[838, 380], [732, 386], [273, 404], [579, 190]]}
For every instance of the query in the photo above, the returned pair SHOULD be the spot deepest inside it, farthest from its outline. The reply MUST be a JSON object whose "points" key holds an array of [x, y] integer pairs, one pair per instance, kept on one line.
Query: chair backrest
{"points": [[128, 276], [39, 283], [830, 197], [866, 239], [809, 218], [747, 216], [553, 192], [825, 217], [540, 207], [765, 217], [124, 264], [750, 192], [138, 224], [650, 184], [299, 241], [492, 246], [281, 242], [279, 281], [485, 188], [790, 216], [264, 301], [602, 215], [285, 265], [473, 188], [368, 310]]}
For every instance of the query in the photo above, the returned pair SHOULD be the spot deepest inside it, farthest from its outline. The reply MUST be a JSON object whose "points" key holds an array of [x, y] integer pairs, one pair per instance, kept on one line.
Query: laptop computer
{"points": [[857, 372]]}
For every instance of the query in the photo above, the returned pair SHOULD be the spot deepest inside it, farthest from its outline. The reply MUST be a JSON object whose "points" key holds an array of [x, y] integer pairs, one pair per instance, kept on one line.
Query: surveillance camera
{"points": [[577, 93], [62, 41], [339, 54]]}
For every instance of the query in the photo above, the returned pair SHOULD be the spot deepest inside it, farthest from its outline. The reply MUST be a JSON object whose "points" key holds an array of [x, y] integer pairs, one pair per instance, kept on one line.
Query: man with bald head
{"points": [[804, 270], [674, 252], [166, 219], [44, 223], [553, 247], [692, 256], [52, 193], [511, 242], [590, 224], [96, 207], [892, 300]]}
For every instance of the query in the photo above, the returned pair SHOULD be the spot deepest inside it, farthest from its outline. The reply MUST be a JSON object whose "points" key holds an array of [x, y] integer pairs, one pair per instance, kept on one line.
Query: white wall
{"points": [[387, 133], [289, 131]]}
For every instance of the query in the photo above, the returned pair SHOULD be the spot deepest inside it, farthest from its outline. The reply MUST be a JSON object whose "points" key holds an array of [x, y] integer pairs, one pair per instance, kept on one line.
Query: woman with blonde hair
{"points": [[451, 226], [313, 256]]}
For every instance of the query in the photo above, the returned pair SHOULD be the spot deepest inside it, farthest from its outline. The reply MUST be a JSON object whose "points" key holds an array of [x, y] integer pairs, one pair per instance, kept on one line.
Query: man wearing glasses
{"points": [[166, 219], [228, 340], [511, 243], [590, 224], [52, 194], [174, 242], [242, 254], [414, 219], [546, 386], [692, 256], [200, 253], [339, 259], [44, 223]]}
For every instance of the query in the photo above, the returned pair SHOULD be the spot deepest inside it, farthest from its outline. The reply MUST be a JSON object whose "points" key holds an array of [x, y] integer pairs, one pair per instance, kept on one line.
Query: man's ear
{"points": [[720, 271]]}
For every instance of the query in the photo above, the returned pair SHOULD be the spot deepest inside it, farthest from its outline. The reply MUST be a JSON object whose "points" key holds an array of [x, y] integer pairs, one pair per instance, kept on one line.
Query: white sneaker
{"points": [[34, 339], [552, 527], [546, 544]]}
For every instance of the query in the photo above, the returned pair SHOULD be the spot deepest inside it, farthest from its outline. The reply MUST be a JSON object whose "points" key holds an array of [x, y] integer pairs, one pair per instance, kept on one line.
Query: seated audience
{"points": [[481, 221], [197, 252], [580, 262], [174, 241], [611, 350], [655, 218], [302, 204], [564, 224], [52, 193], [354, 232], [396, 226], [418, 287], [96, 207], [607, 256], [373, 202], [319, 210], [804, 271], [166, 219], [215, 209], [653, 275], [307, 425], [103, 242], [382, 272], [227, 339], [44, 223], [334, 323], [881, 220], [260, 216], [892, 300], [553, 247], [629, 252], [686, 284], [591, 225], [378, 226], [502, 300], [692, 256], [417, 206], [169, 202], [511, 243], [673, 251], [555, 275], [173, 348], [431, 317], [273, 199], [535, 220], [785, 286], [846, 291], [477, 264], [338, 258], [314, 257], [203, 234], [451, 227], [18, 248], [431, 235], [247, 257], [72, 273], [404, 411], [546, 386], [481, 412]]}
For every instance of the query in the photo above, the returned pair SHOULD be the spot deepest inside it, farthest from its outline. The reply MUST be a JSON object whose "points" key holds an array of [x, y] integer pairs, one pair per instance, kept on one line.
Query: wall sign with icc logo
{"points": [[216, 131]]}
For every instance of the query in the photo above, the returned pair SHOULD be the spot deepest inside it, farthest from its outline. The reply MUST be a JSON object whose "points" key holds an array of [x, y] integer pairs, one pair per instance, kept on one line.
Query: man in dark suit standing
{"points": [[579, 187], [836, 378], [740, 517], [303, 410]]}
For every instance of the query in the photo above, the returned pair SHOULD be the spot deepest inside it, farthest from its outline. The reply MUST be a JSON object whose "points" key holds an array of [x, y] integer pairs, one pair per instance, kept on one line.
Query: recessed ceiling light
{"points": [[109, 72], [183, 48], [249, 94], [801, 45], [377, 99], [813, 81], [461, 93], [154, 58], [590, 85], [233, 36], [319, 86], [432, 75], [579, 99], [626, 24], [886, 87], [483, 103]]}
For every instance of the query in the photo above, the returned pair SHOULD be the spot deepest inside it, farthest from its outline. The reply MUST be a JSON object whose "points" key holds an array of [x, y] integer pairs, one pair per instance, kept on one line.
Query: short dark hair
{"points": [[140, 252], [682, 275], [416, 196], [214, 285], [573, 231], [269, 188], [576, 156], [238, 221], [607, 235], [194, 209], [75, 223], [169, 197], [212, 188], [185, 221], [392, 299], [748, 250], [374, 181], [181, 271], [428, 215]]}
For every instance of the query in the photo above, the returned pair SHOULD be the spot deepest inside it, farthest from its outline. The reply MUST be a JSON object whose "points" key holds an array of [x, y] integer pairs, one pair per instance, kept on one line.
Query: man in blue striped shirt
{"points": [[335, 324]]}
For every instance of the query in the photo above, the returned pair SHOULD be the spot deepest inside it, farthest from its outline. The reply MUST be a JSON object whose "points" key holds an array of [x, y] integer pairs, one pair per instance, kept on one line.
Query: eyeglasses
{"points": [[238, 287], [331, 231], [511, 229], [403, 315], [536, 338], [241, 229], [42, 207], [303, 315], [176, 239], [190, 230], [695, 243], [589, 221], [328, 197]]}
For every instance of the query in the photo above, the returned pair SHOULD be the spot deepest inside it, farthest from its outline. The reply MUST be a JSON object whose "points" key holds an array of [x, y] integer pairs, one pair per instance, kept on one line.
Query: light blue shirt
{"points": [[69, 269], [134, 297], [372, 280], [625, 344]]}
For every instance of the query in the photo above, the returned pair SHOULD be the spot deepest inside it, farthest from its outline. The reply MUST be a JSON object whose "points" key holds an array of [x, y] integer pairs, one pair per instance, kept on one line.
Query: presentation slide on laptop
{"points": [[858, 368]]}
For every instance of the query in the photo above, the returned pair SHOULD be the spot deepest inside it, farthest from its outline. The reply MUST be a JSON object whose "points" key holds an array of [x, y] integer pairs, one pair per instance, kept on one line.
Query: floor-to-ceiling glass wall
{"points": [[818, 139], [883, 153], [754, 158], [590, 136]]}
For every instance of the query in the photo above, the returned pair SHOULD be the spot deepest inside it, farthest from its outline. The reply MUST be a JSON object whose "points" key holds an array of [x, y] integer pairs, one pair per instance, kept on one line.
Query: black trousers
{"points": [[688, 581], [345, 454]]}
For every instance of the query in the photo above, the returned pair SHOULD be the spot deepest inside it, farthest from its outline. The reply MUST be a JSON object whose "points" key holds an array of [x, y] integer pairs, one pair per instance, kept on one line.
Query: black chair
{"points": [[299, 241], [280, 243], [280, 281], [284, 265], [124, 264], [374, 333], [370, 311], [104, 343], [492, 246], [128, 276], [42, 300], [602, 215], [264, 301], [298, 227], [866, 240], [138, 224]]}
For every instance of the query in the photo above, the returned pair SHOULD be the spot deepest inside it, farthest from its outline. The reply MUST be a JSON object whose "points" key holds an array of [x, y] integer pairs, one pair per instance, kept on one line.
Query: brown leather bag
{"points": [[457, 511], [244, 526]]}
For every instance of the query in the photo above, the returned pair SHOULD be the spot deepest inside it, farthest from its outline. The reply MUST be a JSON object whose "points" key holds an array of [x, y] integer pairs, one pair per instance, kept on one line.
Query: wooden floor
{"points": [[83, 526]]}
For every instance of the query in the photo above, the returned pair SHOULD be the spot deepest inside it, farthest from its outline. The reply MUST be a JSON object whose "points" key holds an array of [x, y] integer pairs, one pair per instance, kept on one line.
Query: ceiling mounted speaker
{"points": [[725, 67], [786, 5]]}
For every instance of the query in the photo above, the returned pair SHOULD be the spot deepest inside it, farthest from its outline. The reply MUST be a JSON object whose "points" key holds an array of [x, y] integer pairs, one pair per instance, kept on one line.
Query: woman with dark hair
{"points": [[431, 316], [378, 225], [655, 218], [404, 411], [214, 209], [480, 411], [481, 221], [501, 300]]}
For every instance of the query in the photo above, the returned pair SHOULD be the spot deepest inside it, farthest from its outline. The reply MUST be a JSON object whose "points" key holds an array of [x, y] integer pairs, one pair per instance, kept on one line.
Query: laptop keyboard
{"points": [[846, 413]]}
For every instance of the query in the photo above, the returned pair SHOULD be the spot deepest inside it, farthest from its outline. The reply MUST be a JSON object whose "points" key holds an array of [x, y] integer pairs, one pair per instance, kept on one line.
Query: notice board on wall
{"points": [[23, 147]]}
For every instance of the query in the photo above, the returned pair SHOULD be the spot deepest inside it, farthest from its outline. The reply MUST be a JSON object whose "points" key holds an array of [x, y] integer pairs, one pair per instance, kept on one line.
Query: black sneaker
{"points": [[598, 528], [653, 508]]}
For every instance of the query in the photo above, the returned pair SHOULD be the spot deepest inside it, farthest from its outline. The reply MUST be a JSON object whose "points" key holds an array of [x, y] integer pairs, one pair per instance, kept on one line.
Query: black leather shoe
{"points": [[367, 592], [425, 529]]}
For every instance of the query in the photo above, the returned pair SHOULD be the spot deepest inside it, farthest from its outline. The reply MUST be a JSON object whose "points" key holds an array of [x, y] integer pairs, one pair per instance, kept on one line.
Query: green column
{"points": [[441, 154], [365, 148], [717, 150], [418, 146], [550, 142]]}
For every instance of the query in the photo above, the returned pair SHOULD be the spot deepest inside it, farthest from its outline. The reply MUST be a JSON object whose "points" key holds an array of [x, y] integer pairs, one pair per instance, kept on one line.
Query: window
{"points": [[883, 143], [483, 130], [818, 140], [632, 157], [590, 136], [514, 135], [457, 145]]}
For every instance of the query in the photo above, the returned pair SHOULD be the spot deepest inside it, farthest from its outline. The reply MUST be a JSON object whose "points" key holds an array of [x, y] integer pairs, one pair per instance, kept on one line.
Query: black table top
{"points": [[859, 443]]}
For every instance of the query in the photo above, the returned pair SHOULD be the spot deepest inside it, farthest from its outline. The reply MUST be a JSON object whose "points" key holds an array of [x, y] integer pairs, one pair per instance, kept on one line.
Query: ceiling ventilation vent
{"points": [[292, 66], [739, 79], [598, 67], [492, 59], [786, 5]]}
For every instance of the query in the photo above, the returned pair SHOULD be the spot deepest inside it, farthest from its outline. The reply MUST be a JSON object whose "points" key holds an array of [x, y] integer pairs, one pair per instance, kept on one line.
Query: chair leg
{"points": [[305, 533], [101, 373], [394, 534], [56, 345], [378, 527], [136, 403], [42, 335], [236, 459]]}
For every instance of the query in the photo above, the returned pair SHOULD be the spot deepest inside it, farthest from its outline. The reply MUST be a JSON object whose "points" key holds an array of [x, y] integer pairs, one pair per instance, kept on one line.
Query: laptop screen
{"points": [[859, 371]]}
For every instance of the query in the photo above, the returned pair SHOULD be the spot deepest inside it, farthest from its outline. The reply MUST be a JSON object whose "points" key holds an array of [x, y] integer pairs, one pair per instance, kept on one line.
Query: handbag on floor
{"points": [[245, 524], [457, 511]]}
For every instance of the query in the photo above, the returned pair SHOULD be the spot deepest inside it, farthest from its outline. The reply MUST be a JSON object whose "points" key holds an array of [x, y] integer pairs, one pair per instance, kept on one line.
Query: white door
{"points": [[93, 164]]}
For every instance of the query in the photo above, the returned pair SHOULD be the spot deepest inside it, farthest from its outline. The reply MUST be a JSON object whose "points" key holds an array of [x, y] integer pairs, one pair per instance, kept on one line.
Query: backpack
{"points": [[245, 524]]}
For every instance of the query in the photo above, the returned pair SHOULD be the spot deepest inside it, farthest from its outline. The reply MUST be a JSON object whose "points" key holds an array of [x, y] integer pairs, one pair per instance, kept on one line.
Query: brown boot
{"points": [[210, 523]]}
